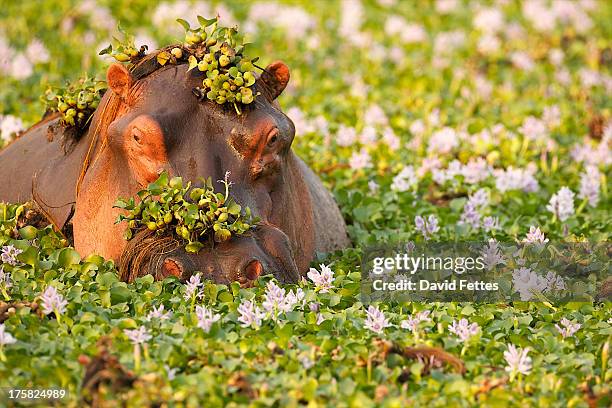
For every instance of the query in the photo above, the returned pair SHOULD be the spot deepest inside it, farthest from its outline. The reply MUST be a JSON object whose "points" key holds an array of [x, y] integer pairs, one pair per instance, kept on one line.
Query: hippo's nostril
{"points": [[172, 267], [253, 269]]}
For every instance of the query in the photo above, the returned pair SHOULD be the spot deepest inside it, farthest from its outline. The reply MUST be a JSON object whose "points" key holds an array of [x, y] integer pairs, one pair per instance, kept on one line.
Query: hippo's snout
{"points": [[265, 251]]}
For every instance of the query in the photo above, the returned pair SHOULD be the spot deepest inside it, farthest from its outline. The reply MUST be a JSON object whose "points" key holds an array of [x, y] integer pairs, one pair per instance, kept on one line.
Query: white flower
{"points": [[36, 52], [464, 329], [404, 180], [138, 336], [276, 301], [10, 126], [206, 317], [159, 313], [293, 298], [360, 160], [412, 322], [5, 278], [552, 116], [562, 203], [5, 337], [391, 139], [522, 60], [492, 255], [554, 282], [306, 362], [417, 128], [475, 171], [368, 135], [192, 290], [375, 115], [534, 128], [590, 182], [407, 32], [518, 361], [568, 328], [443, 141], [52, 301], [376, 320], [346, 136], [323, 280], [535, 236], [170, 372], [527, 283], [21, 67], [250, 314], [489, 19], [8, 255], [373, 186], [515, 179]]}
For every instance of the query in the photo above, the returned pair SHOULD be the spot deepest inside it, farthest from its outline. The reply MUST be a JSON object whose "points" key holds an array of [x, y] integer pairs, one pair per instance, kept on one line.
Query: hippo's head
{"points": [[156, 123]]}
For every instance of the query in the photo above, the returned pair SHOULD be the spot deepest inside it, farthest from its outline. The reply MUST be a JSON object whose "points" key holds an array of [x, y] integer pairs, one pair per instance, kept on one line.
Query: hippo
{"points": [[149, 121]]}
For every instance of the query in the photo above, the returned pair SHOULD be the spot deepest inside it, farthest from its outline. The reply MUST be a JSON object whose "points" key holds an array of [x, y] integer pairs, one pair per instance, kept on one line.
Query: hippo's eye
{"points": [[137, 134], [272, 138]]}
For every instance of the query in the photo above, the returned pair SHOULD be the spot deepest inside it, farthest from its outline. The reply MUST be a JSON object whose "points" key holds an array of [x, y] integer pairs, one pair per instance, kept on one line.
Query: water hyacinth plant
{"points": [[76, 102], [195, 215], [403, 109]]}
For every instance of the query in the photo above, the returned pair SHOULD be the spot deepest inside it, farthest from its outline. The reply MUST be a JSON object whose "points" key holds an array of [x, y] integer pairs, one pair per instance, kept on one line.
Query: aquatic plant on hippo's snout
{"points": [[196, 215]]}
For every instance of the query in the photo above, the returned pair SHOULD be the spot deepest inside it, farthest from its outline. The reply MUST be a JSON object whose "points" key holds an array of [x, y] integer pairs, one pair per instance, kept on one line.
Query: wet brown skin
{"points": [[155, 123]]}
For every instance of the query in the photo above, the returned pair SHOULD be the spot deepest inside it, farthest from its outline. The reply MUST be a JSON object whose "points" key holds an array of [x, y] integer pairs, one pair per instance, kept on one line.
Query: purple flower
{"points": [[52, 301], [535, 236], [206, 317], [159, 313], [138, 336], [376, 320], [492, 255], [8, 255], [517, 360], [323, 280], [515, 179], [250, 314], [470, 215], [464, 329], [412, 322], [277, 301], [192, 289], [490, 223], [590, 182], [527, 283], [427, 227], [562, 203], [567, 328]]}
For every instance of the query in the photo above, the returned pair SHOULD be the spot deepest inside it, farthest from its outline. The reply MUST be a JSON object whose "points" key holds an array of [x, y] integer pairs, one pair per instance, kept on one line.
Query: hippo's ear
{"points": [[119, 80], [276, 77]]}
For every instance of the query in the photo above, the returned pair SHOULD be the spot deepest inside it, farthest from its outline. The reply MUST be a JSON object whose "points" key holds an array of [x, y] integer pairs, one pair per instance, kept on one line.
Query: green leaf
{"points": [[68, 257], [206, 22], [193, 62], [163, 57], [184, 23], [106, 50]]}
